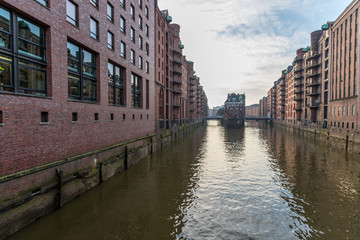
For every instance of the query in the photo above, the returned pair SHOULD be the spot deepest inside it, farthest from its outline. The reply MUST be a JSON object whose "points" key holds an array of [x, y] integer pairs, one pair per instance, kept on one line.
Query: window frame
{"points": [[140, 22], [132, 34], [147, 12], [18, 59], [97, 29], [45, 1], [95, 3], [132, 12], [82, 78], [123, 3], [132, 57], [147, 49], [114, 86], [76, 21], [122, 21], [147, 30], [111, 45], [136, 91], [140, 40], [141, 62], [110, 18], [123, 46]]}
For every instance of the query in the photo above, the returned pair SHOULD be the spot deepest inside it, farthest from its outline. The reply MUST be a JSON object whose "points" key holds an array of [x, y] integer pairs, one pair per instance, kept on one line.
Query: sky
{"points": [[243, 45]]}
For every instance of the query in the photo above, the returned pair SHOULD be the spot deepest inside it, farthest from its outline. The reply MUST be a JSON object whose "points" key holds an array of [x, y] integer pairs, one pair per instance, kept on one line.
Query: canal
{"points": [[261, 182]]}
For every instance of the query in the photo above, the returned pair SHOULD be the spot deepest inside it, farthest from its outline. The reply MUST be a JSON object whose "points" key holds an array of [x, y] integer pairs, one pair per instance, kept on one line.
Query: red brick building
{"points": [[344, 102], [252, 110], [322, 91], [78, 76], [174, 77]]}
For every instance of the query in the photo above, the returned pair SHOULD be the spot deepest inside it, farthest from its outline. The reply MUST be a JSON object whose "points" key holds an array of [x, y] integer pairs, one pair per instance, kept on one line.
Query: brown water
{"points": [[254, 183]]}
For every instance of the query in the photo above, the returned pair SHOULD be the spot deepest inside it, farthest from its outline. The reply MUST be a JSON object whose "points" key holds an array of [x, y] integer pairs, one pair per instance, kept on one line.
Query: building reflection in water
{"points": [[324, 184]]}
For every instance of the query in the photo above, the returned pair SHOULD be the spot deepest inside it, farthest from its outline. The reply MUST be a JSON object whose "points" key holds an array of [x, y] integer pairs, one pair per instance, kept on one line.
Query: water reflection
{"points": [[261, 182]]}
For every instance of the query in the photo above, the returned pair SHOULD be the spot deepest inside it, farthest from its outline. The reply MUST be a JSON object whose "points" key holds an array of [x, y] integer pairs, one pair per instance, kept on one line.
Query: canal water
{"points": [[260, 182]]}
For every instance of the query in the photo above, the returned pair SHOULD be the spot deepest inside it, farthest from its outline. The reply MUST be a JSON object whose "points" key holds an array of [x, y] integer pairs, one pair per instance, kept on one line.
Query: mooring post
{"points": [[161, 141], [347, 142], [126, 158], [151, 146], [59, 175], [100, 173]]}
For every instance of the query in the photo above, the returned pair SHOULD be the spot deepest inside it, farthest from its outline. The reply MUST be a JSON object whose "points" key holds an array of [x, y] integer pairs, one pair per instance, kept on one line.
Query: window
{"points": [[353, 110], [71, 13], [96, 117], [110, 38], [122, 3], [140, 3], [81, 73], [132, 34], [140, 42], [1, 118], [140, 22], [110, 12], [123, 49], [94, 29], [140, 62], [135, 91], [43, 2], [147, 30], [147, 12], [74, 117], [44, 117], [116, 84], [147, 67], [147, 49], [22, 66], [132, 57], [132, 12], [94, 3], [112, 117], [122, 24]]}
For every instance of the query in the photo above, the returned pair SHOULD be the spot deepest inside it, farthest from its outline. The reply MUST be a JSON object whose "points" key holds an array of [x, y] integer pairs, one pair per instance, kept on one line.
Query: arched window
{"points": [[348, 110]]}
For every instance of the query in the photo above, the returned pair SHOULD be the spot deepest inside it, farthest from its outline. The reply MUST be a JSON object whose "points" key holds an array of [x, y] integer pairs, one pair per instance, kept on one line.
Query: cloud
{"points": [[243, 45]]}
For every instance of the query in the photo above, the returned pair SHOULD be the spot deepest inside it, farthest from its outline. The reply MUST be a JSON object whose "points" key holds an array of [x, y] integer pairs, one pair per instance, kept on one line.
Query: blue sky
{"points": [[243, 45]]}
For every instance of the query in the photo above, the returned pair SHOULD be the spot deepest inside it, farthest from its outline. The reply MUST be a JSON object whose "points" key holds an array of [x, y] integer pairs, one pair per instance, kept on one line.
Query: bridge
{"points": [[247, 118]]}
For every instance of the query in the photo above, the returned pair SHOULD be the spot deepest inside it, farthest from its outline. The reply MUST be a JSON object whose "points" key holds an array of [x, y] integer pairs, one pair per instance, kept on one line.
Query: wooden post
{"points": [[161, 141], [151, 147], [347, 142], [126, 158], [101, 180], [59, 175]]}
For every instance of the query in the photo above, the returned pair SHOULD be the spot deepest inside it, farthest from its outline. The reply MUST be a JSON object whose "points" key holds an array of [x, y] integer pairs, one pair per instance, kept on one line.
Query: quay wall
{"points": [[29, 195], [341, 138]]}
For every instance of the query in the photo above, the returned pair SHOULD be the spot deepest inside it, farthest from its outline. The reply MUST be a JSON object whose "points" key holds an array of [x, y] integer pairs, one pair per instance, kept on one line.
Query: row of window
{"points": [[333, 124], [44, 117], [343, 111], [82, 79], [73, 18], [23, 66]]}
